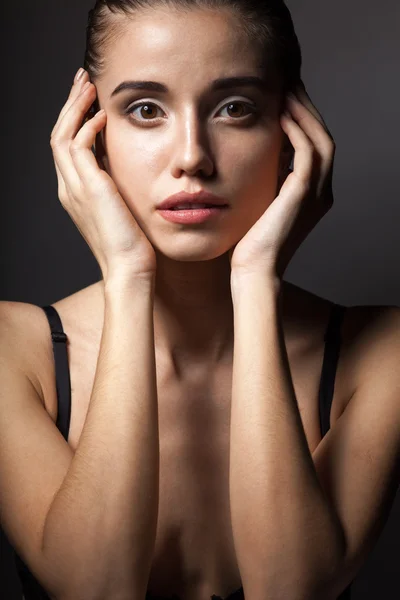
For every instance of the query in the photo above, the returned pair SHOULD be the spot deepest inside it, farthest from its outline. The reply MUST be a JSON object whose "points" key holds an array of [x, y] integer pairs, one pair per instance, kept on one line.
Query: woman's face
{"points": [[191, 137]]}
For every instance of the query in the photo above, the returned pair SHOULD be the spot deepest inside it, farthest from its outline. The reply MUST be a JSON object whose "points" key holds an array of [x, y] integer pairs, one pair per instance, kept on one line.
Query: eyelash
{"points": [[252, 108]]}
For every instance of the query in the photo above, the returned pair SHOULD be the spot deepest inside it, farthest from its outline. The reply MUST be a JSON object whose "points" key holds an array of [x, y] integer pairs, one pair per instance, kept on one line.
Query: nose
{"points": [[192, 154]]}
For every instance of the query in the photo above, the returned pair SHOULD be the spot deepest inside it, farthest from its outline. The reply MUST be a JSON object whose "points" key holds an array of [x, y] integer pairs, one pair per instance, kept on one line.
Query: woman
{"points": [[206, 438]]}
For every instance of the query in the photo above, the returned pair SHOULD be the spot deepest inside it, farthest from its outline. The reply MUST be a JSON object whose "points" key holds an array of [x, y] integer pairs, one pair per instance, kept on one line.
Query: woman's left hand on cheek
{"points": [[304, 198]]}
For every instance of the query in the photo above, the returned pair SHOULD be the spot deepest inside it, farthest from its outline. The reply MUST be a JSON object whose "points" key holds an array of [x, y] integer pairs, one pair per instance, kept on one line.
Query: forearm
{"points": [[102, 523], [286, 535]]}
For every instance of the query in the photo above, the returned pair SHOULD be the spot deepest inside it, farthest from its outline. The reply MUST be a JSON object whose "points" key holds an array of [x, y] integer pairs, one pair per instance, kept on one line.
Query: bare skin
{"points": [[191, 142], [194, 417], [194, 554]]}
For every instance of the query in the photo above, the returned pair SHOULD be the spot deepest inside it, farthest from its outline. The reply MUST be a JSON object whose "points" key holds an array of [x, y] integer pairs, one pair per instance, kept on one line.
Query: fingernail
{"points": [[79, 74]]}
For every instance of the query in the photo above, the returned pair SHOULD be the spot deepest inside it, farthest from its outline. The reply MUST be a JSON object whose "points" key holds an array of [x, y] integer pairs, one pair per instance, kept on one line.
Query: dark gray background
{"points": [[351, 54]]}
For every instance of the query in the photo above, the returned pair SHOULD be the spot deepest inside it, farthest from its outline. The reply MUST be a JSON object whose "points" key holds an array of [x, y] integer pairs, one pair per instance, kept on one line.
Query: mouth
{"points": [[200, 200], [197, 207], [186, 216]]}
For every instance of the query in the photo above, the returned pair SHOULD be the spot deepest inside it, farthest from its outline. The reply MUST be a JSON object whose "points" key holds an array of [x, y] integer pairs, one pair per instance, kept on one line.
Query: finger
{"points": [[304, 150], [303, 97], [75, 116], [84, 161], [74, 92], [315, 131], [62, 188], [68, 129]]}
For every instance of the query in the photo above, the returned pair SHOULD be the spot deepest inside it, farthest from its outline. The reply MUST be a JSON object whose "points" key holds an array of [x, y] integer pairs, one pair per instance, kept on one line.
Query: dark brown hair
{"points": [[268, 23]]}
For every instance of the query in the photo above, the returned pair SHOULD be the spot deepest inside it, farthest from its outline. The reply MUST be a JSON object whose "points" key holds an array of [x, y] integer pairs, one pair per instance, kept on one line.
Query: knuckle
{"points": [[55, 143], [304, 184], [55, 128], [74, 147], [309, 147], [330, 142], [63, 196]]}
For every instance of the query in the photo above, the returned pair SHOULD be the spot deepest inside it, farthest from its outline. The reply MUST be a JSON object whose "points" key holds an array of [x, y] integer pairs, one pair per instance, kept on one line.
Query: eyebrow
{"points": [[218, 84]]}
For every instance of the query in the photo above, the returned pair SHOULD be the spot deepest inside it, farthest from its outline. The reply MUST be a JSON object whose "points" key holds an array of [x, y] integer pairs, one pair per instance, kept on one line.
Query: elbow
{"points": [[81, 594], [74, 593], [322, 583], [319, 578]]}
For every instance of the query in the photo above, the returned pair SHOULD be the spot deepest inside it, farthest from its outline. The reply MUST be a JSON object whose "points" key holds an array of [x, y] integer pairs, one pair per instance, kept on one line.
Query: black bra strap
{"points": [[63, 383], [331, 356]]}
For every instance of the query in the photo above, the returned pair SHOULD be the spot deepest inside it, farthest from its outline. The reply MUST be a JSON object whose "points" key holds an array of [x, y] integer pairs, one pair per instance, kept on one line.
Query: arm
{"points": [[101, 526], [303, 524], [287, 535]]}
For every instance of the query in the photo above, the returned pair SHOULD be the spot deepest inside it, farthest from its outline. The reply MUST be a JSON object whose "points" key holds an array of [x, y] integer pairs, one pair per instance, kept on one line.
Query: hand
{"points": [[90, 196], [304, 198]]}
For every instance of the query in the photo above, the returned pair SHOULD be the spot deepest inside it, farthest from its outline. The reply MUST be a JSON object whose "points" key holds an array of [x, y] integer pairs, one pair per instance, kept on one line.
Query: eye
{"points": [[150, 110], [148, 107], [252, 109]]}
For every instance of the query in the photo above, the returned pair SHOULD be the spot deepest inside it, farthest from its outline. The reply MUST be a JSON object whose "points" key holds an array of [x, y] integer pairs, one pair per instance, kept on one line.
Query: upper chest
{"points": [[200, 403], [194, 441]]}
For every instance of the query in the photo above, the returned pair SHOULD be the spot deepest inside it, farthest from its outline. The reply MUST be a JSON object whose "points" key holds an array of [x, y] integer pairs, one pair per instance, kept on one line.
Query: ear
{"points": [[285, 161], [100, 153], [99, 146], [287, 154]]}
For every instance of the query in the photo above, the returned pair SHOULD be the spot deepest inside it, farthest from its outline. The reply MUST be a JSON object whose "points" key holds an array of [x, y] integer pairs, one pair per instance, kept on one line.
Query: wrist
{"points": [[242, 281], [122, 282]]}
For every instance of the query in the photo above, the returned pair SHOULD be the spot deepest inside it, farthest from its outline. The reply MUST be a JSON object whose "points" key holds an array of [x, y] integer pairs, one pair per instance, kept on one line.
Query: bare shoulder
{"points": [[23, 335], [25, 338], [370, 336], [362, 325], [372, 342]]}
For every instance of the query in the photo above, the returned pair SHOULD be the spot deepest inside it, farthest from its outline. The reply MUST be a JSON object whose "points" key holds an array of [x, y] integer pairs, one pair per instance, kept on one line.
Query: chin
{"points": [[192, 255]]}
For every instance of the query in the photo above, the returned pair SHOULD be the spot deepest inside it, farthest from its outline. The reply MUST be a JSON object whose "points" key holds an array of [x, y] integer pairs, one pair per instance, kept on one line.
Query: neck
{"points": [[193, 311]]}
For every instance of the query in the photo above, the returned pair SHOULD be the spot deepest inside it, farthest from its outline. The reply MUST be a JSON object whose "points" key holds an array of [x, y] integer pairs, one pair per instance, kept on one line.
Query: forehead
{"points": [[187, 46]]}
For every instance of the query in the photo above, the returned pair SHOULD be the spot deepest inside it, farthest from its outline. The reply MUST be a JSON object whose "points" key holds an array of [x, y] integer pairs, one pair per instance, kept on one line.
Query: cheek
{"points": [[252, 168], [133, 162], [252, 164], [246, 164]]}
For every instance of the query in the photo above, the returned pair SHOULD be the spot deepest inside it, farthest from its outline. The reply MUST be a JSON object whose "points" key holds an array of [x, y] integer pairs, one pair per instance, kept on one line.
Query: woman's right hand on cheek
{"points": [[89, 194]]}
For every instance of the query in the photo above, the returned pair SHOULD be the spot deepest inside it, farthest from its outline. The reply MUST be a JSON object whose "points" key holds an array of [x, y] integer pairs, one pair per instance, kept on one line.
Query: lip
{"points": [[193, 216], [201, 197]]}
